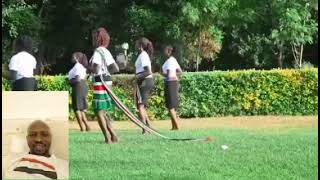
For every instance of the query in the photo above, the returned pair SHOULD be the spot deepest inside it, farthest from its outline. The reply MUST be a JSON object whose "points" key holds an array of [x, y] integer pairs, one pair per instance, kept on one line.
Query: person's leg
{"points": [[79, 117], [144, 91], [143, 116], [101, 121], [107, 116], [85, 120], [140, 107], [84, 107], [174, 119], [147, 119], [172, 100], [150, 86], [113, 134]]}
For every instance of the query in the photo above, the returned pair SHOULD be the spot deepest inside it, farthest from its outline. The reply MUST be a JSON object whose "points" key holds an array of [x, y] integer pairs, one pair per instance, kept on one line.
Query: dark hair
{"points": [[100, 37], [172, 49], [81, 58], [146, 45], [23, 43]]}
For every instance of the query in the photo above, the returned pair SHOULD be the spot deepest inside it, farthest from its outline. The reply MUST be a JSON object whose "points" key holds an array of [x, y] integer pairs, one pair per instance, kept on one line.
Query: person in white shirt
{"points": [[38, 163], [77, 77], [170, 69], [103, 65], [22, 65], [144, 78]]}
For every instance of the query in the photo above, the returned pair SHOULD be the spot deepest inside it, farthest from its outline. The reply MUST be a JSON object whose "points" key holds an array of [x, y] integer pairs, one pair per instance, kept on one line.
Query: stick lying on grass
{"points": [[139, 123]]}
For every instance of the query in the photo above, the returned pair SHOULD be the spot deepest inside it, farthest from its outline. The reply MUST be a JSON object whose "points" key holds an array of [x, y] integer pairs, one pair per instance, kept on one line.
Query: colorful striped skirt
{"points": [[101, 98]]}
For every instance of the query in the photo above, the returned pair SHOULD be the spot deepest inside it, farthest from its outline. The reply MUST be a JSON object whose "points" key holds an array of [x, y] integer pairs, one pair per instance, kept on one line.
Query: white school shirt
{"points": [[142, 61], [104, 59], [24, 63], [30, 161], [77, 70], [172, 65]]}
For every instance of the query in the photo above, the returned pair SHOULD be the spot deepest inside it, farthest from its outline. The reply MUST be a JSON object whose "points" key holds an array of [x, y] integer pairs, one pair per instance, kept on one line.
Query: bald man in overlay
{"points": [[38, 163]]}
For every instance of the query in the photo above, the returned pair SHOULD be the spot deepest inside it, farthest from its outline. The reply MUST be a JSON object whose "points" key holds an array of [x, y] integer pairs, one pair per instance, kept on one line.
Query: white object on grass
{"points": [[224, 147]]}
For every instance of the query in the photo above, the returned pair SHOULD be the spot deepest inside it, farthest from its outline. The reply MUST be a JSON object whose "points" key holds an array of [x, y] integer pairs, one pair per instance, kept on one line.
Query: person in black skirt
{"points": [[144, 78], [77, 77], [22, 65], [170, 69]]}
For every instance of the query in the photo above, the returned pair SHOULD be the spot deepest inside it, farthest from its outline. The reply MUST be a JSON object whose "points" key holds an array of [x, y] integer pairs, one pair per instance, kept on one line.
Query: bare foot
{"points": [[88, 128], [145, 132], [114, 139], [107, 141]]}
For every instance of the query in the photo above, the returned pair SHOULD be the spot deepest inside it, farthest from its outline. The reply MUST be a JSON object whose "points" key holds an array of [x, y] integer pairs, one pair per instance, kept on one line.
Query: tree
{"points": [[205, 38], [17, 18], [262, 31], [246, 25], [295, 28], [213, 33]]}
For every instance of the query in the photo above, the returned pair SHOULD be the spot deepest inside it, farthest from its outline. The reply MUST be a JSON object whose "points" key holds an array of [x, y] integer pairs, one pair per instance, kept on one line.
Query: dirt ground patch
{"points": [[220, 122]]}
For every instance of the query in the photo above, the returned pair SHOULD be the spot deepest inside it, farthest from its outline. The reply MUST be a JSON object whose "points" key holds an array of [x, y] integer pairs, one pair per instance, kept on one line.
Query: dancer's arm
{"points": [[165, 74], [89, 70], [75, 79], [145, 73], [95, 68], [179, 71], [113, 68]]}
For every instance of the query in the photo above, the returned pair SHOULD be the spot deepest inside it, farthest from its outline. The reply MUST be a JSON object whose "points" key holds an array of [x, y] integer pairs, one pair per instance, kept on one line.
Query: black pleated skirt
{"points": [[145, 88], [25, 84], [171, 92], [79, 96]]}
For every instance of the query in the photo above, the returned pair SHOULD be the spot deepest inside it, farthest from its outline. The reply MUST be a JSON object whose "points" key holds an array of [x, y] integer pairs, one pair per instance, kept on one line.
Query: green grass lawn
{"points": [[278, 153]]}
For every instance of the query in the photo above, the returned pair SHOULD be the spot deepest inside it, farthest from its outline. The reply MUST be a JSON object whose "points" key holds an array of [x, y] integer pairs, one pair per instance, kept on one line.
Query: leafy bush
{"points": [[6, 85], [219, 93], [275, 92]]}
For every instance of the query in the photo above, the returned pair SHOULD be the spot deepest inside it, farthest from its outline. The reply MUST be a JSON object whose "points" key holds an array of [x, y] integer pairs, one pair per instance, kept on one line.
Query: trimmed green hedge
{"points": [[218, 93]]}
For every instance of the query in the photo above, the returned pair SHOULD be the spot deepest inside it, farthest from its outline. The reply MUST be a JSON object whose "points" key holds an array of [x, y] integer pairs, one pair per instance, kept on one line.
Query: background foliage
{"points": [[209, 34]]}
